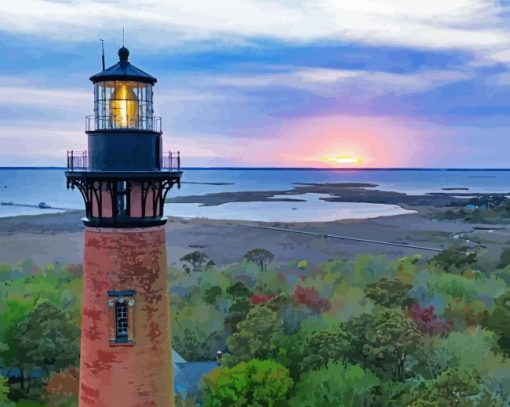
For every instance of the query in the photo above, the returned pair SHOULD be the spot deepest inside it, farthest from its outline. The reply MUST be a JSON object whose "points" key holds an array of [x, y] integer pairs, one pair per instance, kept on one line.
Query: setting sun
{"points": [[343, 160]]}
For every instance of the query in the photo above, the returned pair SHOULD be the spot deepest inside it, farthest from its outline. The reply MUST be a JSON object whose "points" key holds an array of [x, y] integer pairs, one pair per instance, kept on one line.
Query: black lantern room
{"points": [[124, 176]]}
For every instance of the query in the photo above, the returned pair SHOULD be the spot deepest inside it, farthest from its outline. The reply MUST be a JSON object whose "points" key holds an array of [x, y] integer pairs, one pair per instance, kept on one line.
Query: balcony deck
{"points": [[169, 163]]}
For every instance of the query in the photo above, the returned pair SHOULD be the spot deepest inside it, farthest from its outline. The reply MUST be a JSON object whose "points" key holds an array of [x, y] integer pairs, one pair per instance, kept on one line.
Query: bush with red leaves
{"points": [[310, 297], [427, 321], [261, 298]]}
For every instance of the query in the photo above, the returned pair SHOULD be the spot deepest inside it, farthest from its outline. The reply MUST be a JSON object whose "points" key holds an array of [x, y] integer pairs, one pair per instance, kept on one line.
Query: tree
{"points": [[257, 383], [63, 387], [255, 336], [427, 322], [323, 347], [212, 294], [4, 393], [388, 292], [504, 258], [310, 297], [11, 352], [195, 261], [453, 388], [499, 320], [49, 338], [238, 290], [262, 257], [384, 340], [455, 259], [198, 331], [335, 385]]}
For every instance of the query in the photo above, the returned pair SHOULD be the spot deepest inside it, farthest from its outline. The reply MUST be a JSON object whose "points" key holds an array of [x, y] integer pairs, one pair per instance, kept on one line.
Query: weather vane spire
{"points": [[102, 54], [122, 36]]}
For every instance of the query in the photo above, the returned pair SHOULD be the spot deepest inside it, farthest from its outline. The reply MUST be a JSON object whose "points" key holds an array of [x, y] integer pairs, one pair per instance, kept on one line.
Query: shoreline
{"points": [[46, 238]]}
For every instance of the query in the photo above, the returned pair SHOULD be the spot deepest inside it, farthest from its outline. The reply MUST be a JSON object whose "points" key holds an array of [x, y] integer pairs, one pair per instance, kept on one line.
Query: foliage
{"points": [[256, 335], [323, 347], [384, 340], [310, 297], [198, 331], [195, 261], [49, 339], [453, 388], [388, 292], [262, 257], [456, 259], [427, 322], [405, 321], [4, 393], [257, 383], [63, 387], [335, 385], [499, 320]]}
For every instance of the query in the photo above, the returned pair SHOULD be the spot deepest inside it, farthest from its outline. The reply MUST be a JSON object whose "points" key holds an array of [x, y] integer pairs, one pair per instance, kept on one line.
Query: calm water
{"points": [[34, 186]]}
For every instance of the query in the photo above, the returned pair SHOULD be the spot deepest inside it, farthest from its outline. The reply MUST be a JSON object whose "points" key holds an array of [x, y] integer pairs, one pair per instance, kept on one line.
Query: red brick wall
{"points": [[138, 375]]}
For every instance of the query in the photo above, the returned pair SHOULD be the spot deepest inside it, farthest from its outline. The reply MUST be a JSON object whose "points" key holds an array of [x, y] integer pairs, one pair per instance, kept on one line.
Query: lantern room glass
{"points": [[123, 105]]}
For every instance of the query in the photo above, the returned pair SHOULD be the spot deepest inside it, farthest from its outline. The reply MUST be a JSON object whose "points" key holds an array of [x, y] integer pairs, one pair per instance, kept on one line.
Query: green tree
{"points": [[195, 261], [262, 257], [384, 340], [335, 385], [455, 259], [453, 388], [238, 290], [504, 258], [256, 335], [11, 352], [323, 347], [4, 393], [198, 331], [388, 292], [257, 383], [499, 320], [212, 294], [49, 338]]}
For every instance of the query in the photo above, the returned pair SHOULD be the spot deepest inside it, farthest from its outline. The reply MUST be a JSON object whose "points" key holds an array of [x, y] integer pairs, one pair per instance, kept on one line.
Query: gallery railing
{"points": [[94, 123]]}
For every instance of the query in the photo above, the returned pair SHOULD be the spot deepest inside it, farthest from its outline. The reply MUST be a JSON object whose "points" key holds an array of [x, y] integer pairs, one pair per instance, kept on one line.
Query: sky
{"points": [[269, 83]]}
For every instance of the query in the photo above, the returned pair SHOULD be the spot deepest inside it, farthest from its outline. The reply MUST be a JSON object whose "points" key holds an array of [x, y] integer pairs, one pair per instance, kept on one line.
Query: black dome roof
{"points": [[123, 70]]}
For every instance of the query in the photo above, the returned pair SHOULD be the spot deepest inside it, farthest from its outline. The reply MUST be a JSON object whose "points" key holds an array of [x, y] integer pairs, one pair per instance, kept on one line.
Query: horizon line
{"points": [[294, 168]]}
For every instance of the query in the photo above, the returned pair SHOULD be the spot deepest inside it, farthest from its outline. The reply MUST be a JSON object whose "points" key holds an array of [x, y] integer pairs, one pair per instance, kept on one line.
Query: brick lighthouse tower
{"points": [[125, 357]]}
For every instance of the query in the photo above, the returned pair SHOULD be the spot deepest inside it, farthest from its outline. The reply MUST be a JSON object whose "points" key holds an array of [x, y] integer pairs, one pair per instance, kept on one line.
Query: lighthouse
{"points": [[124, 177]]}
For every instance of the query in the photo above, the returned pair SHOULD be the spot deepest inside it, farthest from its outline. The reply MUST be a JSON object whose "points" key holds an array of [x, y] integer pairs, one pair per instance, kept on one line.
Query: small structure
{"points": [[124, 178]]}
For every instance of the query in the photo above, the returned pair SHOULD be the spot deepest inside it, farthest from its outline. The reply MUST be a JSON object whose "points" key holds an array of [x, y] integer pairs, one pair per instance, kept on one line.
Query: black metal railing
{"points": [[171, 161], [152, 123], [77, 160]]}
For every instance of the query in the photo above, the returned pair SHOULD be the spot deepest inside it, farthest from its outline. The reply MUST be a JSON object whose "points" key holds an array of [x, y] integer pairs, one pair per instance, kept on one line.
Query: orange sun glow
{"points": [[343, 160]]}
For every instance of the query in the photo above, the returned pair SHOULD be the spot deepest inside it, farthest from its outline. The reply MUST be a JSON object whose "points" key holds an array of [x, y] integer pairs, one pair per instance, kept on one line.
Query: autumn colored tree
{"points": [[62, 387], [427, 321], [310, 297]]}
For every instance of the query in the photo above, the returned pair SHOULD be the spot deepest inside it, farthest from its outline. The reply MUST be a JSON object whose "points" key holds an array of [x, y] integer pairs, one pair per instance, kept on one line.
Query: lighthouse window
{"points": [[121, 314], [122, 305]]}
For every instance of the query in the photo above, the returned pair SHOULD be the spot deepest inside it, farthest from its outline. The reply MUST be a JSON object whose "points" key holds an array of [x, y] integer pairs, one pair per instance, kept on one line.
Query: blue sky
{"points": [[401, 83]]}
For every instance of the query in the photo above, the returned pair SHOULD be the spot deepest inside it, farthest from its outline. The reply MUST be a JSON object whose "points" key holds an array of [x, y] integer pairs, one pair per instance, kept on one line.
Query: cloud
{"points": [[332, 82], [472, 25]]}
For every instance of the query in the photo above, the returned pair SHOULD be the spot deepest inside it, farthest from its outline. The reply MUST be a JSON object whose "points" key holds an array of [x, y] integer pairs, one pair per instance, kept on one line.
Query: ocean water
{"points": [[31, 186]]}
